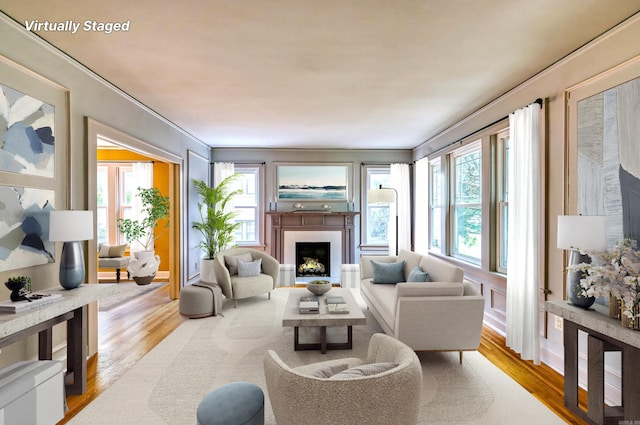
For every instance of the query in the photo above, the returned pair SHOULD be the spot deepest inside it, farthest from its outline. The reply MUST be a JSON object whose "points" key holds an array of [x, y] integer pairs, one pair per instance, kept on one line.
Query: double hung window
{"points": [[247, 204], [376, 220], [467, 203]]}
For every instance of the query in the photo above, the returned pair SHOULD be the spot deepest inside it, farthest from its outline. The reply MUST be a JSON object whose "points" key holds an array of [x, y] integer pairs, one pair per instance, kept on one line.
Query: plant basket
{"points": [[615, 307], [630, 323]]}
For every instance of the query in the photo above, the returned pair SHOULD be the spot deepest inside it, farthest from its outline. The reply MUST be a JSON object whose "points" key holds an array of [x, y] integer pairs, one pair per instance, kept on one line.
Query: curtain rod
{"points": [[239, 162], [539, 101], [123, 161]]}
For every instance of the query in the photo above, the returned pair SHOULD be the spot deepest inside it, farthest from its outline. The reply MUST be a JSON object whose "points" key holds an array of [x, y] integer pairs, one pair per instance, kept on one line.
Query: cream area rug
{"points": [[126, 292], [166, 385]]}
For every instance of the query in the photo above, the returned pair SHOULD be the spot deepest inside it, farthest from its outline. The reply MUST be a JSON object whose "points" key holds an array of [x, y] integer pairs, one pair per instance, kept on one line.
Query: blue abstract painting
{"points": [[27, 134], [24, 227]]}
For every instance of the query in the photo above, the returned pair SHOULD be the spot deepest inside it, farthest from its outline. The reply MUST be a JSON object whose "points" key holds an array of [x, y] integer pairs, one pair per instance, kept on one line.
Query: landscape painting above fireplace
{"points": [[313, 182]]}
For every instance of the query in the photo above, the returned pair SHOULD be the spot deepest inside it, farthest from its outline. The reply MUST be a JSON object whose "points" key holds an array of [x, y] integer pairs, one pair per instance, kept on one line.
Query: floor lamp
{"points": [[385, 195]]}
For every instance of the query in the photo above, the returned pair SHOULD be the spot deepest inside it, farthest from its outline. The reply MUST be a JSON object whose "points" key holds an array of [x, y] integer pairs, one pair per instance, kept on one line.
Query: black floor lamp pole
{"points": [[396, 227]]}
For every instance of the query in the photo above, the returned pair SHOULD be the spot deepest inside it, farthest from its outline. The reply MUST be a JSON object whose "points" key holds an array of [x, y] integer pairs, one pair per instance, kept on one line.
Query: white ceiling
{"points": [[321, 73]]}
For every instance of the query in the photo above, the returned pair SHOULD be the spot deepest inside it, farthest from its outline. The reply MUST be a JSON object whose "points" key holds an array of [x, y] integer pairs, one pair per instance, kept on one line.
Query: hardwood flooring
{"points": [[129, 332]]}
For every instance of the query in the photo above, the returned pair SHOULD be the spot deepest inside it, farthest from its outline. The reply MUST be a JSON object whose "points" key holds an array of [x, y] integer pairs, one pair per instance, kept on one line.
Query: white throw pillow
{"points": [[329, 371], [249, 268], [364, 370], [231, 261]]}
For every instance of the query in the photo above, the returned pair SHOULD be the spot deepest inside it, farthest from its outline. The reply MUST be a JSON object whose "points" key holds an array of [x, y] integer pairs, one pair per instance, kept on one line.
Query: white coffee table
{"points": [[324, 319]]}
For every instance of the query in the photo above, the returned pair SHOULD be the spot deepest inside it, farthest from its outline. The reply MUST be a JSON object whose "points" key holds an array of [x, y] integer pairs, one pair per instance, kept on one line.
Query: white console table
{"points": [[40, 320], [604, 334]]}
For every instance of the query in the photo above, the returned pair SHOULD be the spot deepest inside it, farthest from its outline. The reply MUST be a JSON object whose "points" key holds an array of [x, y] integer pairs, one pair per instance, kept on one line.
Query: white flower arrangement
{"points": [[615, 272]]}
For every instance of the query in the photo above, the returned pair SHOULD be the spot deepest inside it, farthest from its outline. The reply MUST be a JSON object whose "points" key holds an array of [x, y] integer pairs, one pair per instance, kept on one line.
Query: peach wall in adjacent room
{"points": [[160, 180]]}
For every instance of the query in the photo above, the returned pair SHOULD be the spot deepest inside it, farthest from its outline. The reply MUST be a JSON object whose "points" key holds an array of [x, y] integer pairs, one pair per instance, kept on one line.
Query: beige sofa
{"points": [[442, 315], [300, 397]]}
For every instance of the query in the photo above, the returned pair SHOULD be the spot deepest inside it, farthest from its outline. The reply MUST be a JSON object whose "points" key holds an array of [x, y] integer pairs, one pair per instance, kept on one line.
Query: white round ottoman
{"points": [[238, 403]]}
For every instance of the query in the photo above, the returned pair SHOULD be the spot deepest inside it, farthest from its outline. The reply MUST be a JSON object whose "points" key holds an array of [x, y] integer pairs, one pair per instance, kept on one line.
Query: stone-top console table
{"points": [[604, 334], [71, 309]]}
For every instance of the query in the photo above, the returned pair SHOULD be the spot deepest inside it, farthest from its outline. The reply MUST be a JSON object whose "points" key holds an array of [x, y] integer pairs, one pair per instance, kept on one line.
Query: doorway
{"points": [[173, 165]]}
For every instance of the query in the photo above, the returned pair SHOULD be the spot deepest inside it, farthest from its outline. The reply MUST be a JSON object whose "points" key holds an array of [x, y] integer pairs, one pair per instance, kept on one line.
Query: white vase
{"points": [[207, 273], [143, 266]]}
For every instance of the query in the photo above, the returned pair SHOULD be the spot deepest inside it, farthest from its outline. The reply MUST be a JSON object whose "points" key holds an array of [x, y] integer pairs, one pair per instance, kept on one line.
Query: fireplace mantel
{"points": [[343, 222]]}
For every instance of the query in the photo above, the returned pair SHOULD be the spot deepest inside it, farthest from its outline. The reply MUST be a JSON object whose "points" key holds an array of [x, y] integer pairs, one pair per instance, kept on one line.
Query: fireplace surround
{"points": [[335, 227]]}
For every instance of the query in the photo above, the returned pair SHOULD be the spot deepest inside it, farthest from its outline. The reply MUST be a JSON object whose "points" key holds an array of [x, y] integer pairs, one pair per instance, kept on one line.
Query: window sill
{"points": [[474, 272]]}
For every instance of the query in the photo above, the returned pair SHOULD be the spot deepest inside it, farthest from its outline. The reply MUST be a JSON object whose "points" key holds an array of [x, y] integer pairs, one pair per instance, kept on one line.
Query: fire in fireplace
{"points": [[313, 258]]}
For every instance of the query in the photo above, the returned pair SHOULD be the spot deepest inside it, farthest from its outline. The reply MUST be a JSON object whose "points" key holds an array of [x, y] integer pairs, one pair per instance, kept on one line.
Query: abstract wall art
{"points": [[26, 134], [24, 227], [608, 145]]}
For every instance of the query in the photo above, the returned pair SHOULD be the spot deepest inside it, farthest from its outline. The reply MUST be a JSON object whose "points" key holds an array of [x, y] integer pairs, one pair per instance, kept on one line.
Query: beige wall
{"points": [[86, 96], [608, 51]]}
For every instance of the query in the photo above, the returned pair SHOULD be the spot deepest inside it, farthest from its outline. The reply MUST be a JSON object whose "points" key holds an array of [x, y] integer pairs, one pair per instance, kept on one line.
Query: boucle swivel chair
{"points": [[382, 389]]}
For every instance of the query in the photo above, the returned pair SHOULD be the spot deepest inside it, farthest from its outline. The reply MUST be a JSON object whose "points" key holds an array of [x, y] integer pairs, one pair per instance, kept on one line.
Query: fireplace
{"points": [[313, 259], [337, 228]]}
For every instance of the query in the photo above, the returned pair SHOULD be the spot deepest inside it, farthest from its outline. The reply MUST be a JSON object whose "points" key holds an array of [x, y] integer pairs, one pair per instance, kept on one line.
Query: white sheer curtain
{"points": [[523, 264], [222, 170], [399, 179], [421, 210], [143, 177]]}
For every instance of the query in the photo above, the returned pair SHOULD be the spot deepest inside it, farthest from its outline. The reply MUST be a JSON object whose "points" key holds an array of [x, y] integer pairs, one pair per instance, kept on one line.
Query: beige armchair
{"points": [[235, 286], [388, 397]]}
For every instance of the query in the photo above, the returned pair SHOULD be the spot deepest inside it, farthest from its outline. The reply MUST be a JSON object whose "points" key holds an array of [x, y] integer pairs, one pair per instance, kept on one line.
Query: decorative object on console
{"points": [[385, 195], [581, 234], [319, 287], [19, 286], [615, 274], [71, 227]]}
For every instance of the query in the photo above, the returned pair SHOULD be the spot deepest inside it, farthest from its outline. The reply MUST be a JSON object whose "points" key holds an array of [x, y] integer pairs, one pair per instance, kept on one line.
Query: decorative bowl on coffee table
{"points": [[319, 287]]}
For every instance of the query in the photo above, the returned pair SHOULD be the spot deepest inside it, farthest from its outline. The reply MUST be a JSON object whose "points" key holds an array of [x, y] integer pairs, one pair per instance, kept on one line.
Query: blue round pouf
{"points": [[238, 403]]}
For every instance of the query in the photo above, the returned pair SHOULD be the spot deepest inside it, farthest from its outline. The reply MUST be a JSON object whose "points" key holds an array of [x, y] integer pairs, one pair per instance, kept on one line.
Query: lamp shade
{"points": [[582, 232], [381, 196], [69, 226]]}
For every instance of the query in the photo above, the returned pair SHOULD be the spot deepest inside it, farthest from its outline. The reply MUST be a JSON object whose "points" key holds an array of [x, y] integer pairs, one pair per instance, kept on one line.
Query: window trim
{"points": [[501, 138], [437, 162], [486, 137], [473, 146], [364, 213], [260, 231]]}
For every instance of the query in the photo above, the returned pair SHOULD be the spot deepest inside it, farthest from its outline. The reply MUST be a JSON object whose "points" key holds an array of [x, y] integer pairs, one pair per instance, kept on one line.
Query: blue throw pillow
{"points": [[387, 272], [418, 275]]}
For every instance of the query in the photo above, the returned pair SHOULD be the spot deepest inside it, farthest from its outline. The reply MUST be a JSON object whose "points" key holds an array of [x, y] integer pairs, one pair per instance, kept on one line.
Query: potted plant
{"points": [[155, 207], [216, 225], [20, 287]]}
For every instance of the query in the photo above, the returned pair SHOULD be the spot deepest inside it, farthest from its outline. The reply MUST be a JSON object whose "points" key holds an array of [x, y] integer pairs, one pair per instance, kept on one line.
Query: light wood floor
{"points": [[129, 332]]}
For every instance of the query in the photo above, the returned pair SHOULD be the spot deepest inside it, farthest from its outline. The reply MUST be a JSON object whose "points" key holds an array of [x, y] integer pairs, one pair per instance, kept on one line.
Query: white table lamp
{"points": [[71, 227]]}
